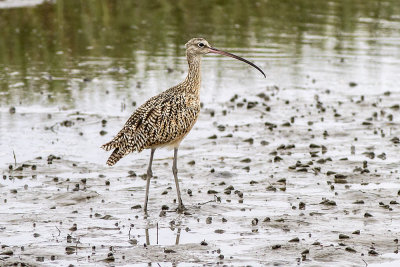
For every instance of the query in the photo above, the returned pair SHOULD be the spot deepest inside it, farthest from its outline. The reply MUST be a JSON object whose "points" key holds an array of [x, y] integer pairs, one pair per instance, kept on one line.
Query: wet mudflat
{"points": [[315, 182], [300, 168]]}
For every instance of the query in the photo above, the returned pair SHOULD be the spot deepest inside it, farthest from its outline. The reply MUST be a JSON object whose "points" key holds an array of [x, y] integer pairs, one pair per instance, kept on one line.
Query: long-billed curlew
{"points": [[165, 119]]}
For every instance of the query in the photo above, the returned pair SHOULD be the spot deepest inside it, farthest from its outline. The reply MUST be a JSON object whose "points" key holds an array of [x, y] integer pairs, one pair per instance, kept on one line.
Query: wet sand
{"points": [[280, 177]]}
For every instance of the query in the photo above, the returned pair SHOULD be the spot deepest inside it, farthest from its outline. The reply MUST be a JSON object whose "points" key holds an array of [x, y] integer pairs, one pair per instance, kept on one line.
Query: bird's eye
{"points": [[200, 45]]}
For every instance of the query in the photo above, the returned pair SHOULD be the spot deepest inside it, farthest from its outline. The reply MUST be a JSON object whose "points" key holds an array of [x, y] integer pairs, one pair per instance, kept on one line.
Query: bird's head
{"points": [[200, 46], [197, 46]]}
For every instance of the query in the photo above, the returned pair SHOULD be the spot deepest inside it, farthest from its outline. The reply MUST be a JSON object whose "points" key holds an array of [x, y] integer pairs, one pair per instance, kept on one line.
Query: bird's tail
{"points": [[108, 146], [116, 155]]}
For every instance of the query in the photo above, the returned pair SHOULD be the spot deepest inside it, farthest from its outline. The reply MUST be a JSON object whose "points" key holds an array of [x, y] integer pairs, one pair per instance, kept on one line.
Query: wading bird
{"points": [[165, 119]]}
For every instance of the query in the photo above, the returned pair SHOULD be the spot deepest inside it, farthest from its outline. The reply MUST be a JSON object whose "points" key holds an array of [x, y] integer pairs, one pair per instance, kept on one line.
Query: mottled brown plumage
{"points": [[165, 119]]}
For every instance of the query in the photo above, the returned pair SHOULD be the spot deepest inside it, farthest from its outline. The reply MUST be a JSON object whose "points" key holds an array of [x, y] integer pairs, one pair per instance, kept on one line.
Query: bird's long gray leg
{"points": [[149, 175], [175, 172]]}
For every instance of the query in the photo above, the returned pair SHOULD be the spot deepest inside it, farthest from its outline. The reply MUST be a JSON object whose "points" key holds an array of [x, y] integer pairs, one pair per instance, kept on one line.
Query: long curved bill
{"points": [[217, 51]]}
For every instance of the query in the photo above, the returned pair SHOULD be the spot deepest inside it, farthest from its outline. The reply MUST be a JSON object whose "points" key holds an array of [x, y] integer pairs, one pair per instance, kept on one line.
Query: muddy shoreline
{"points": [[308, 181]]}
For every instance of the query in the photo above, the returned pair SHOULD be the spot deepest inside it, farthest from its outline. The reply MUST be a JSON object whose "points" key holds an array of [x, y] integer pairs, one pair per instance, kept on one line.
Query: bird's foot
{"points": [[181, 208]]}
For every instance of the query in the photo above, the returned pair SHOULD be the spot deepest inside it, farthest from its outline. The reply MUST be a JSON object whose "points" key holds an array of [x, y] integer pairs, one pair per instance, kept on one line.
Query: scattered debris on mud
{"points": [[306, 179]]}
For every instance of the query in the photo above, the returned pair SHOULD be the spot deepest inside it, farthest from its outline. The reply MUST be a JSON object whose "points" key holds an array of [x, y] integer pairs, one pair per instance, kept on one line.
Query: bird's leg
{"points": [[149, 175], [175, 172]]}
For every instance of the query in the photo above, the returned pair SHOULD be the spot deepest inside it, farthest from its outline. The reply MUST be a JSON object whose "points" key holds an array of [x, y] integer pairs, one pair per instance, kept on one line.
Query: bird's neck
{"points": [[193, 79]]}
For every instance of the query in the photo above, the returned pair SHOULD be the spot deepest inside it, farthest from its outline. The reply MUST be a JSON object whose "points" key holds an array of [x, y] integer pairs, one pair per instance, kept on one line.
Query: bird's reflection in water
{"points": [[177, 238]]}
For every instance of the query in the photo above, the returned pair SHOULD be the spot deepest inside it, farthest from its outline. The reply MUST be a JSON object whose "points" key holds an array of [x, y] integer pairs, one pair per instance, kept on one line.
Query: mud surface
{"points": [[300, 168], [312, 182]]}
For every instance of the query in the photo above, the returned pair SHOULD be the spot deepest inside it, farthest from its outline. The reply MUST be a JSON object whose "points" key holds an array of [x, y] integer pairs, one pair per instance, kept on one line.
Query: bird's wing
{"points": [[139, 119], [161, 120]]}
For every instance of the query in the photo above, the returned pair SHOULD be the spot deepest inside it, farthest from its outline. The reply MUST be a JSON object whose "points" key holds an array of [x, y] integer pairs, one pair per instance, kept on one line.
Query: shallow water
{"points": [[332, 91]]}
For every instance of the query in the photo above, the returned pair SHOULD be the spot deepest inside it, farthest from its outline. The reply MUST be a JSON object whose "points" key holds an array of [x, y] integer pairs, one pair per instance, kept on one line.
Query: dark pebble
{"points": [[373, 253], [249, 140], [382, 156], [352, 84], [74, 227], [349, 249], [132, 174], [267, 219], [263, 96], [271, 188], [110, 257], [328, 202], [343, 236], [213, 137], [251, 105], [70, 250], [340, 181], [370, 155], [230, 188], [7, 253], [67, 123], [20, 168], [395, 140], [305, 252]]}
